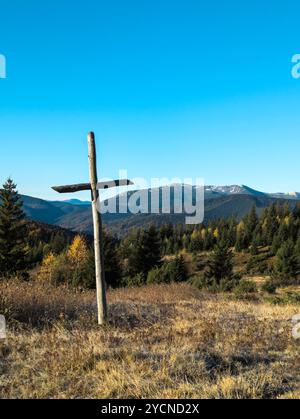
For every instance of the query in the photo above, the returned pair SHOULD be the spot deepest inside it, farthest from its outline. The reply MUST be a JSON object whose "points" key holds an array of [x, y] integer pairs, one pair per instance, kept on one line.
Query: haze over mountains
{"points": [[220, 202]]}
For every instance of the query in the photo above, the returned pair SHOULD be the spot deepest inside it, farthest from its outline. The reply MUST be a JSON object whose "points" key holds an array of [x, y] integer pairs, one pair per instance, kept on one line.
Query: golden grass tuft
{"points": [[167, 341]]}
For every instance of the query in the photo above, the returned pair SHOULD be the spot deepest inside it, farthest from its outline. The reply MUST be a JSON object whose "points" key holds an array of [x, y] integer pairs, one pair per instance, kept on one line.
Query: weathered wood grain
{"points": [[98, 236], [87, 186]]}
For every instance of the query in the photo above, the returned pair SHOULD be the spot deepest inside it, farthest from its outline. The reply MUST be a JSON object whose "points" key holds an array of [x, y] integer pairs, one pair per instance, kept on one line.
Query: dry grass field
{"points": [[169, 341]]}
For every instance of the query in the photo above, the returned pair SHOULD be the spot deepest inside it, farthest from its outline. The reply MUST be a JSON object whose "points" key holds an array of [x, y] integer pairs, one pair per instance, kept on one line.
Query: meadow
{"points": [[161, 341]]}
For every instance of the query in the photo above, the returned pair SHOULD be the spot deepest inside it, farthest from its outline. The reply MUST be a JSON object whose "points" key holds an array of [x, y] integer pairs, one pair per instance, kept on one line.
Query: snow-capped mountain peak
{"points": [[232, 190]]}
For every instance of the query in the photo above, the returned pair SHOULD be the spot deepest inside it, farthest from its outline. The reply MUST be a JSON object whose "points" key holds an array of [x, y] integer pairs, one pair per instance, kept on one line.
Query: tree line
{"points": [[149, 255]]}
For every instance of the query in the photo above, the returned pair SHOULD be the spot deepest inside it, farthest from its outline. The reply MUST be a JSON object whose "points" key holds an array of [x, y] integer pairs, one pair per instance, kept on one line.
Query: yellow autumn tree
{"points": [[216, 233], [78, 252], [47, 268]]}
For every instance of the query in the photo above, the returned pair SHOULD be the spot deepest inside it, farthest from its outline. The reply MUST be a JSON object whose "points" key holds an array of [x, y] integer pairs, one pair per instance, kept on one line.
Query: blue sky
{"points": [[171, 88]]}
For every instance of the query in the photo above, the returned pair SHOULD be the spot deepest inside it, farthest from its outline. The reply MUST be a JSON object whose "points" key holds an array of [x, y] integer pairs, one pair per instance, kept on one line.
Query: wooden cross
{"points": [[94, 187]]}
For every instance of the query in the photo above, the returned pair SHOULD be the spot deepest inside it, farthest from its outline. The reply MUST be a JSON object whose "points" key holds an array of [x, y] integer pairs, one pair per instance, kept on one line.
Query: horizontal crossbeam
{"points": [[87, 186]]}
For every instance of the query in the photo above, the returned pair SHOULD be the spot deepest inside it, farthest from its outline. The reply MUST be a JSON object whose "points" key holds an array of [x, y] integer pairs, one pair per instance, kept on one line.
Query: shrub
{"points": [[213, 285], [157, 275], [245, 289], [174, 271], [287, 298], [134, 281], [257, 265], [269, 287], [199, 282]]}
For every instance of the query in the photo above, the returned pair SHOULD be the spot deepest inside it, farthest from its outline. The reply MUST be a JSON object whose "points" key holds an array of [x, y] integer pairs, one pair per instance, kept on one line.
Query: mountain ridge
{"points": [[220, 202]]}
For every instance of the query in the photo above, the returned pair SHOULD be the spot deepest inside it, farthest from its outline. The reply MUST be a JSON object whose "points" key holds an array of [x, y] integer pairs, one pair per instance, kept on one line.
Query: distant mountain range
{"points": [[245, 190], [220, 202]]}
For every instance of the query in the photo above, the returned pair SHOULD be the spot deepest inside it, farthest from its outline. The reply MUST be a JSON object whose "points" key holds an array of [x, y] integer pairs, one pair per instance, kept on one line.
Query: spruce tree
{"points": [[277, 243], [113, 270], [220, 265], [254, 247], [12, 231], [179, 269], [287, 264], [296, 211], [270, 224], [297, 248], [145, 252], [251, 222]]}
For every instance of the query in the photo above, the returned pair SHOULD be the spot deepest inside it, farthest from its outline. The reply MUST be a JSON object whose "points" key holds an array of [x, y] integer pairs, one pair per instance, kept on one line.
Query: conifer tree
{"points": [[145, 252], [240, 243], [296, 211], [287, 264], [179, 269], [250, 222], [220, 264], [297, 248], [254, 247], [270, 224], [113, 270], [196, 242], [12, 231], [277, 243]]}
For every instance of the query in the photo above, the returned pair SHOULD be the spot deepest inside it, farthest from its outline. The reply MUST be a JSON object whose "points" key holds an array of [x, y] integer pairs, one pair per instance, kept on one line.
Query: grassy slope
{"points": [[161, 341]]}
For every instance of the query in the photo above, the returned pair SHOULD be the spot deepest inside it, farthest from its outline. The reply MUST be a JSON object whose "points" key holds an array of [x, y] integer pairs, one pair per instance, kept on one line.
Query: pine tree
{"points": [[254, 247], [296, 211], [179, 269], [251, 222], [196, 244], [12, 231], [220, 264], [112, 267], [287, 264], [145, 252], [297, 248], [270, 224], [277, 243], [240, 243]]}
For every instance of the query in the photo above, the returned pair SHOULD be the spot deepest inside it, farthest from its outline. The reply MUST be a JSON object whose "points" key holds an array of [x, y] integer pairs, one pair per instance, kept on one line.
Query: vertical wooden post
{"points": [[98, 236]]}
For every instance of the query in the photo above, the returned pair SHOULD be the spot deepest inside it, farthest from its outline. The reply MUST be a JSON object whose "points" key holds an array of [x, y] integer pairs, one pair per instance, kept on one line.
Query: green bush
{"points": [[157, 275], [245, 289], [257, 265], [199, 282], [213, 285], [134, 281], [269, 287], [284, 299], [173, 271]]}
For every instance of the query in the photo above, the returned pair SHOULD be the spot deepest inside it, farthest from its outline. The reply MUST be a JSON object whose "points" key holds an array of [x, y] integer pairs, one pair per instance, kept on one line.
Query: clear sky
{"points": [[177, 88]]}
